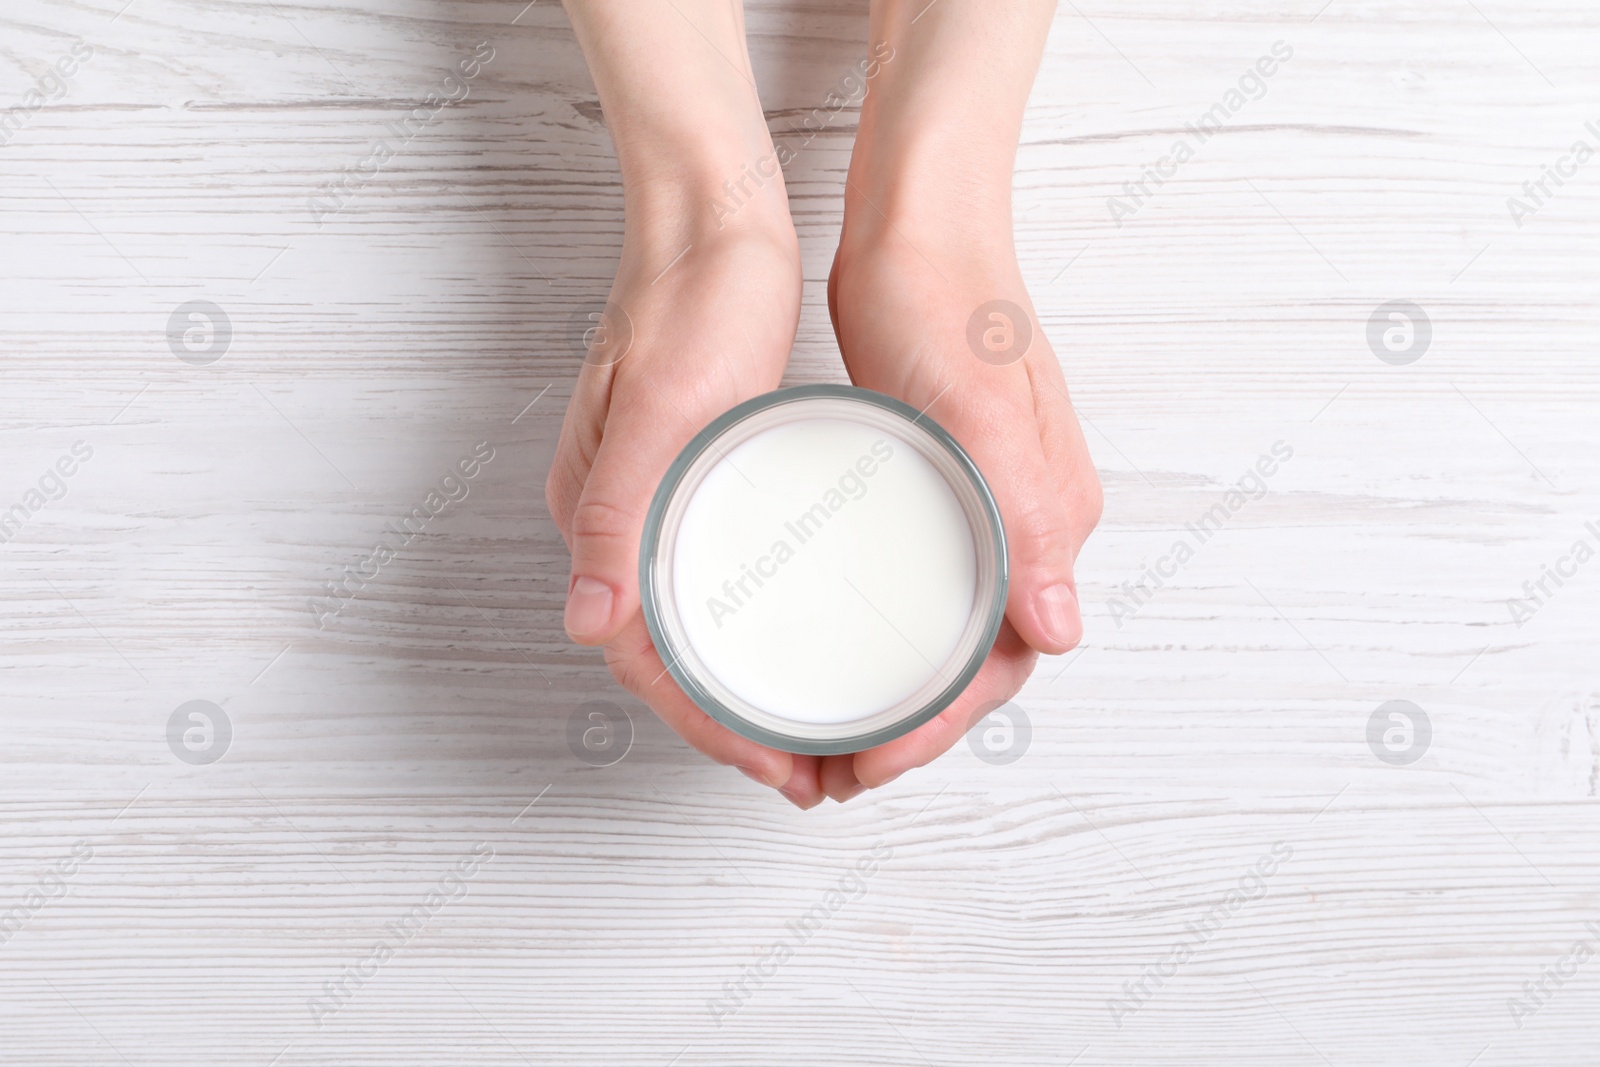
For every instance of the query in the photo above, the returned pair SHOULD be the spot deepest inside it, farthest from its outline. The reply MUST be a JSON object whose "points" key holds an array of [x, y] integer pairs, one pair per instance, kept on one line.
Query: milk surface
{"points": [[824, 571]]}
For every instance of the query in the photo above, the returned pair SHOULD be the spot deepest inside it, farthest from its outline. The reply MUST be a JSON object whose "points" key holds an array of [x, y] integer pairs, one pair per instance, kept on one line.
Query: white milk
{"points": [[824, 571]]}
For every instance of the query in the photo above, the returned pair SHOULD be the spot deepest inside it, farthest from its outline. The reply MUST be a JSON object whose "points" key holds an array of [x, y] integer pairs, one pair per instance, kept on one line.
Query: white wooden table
{"points": [[197, 911]]}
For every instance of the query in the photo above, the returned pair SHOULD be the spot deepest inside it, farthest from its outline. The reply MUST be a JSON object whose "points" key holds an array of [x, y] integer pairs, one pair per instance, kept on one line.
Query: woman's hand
{"points": [[929, 306], [702, 317]]}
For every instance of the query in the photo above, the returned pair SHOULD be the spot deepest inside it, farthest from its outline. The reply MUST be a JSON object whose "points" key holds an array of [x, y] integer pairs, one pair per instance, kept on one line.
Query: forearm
{"points": [[940, 125], [679, 101]]}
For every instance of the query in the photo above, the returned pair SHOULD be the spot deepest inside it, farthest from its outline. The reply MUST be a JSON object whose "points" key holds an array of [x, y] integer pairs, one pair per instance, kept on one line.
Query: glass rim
{"points": [[701, 694]]}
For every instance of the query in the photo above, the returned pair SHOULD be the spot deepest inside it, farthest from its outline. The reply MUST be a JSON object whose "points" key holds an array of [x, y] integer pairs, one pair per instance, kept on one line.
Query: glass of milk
{"points": [[823, 569]]}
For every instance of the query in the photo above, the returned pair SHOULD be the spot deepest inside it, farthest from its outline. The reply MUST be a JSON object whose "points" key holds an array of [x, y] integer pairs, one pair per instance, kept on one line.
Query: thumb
{"points": [[608, 521], [1042, 602], [1045, 525]]}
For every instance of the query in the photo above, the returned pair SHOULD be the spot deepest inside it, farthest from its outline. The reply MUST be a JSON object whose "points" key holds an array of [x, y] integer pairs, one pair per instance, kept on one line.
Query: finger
{"points": [[1008, 666], [1067, 453], [577, 444], [997, 422], [804, 787], [636, 665], [839, 779], [643, 432]]}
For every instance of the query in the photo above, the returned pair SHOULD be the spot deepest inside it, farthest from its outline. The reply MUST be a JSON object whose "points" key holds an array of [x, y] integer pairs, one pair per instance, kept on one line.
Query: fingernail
{"points": [[1058, 612], [588, 607]]}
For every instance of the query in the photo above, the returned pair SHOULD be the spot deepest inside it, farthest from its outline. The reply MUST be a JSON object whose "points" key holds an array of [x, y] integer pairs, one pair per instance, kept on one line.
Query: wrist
{"points": [[935, 197], [705, 195], [930, 166]]}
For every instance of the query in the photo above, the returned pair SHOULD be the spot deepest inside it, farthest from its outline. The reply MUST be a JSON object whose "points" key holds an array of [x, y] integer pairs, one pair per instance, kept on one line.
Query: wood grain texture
{"points": [[1009, 905]]}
